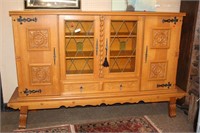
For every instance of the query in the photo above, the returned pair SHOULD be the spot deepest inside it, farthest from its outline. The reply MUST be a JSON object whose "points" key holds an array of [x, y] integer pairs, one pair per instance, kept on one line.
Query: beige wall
{"points": [[1, 35], [96, 5], [8, 67]]}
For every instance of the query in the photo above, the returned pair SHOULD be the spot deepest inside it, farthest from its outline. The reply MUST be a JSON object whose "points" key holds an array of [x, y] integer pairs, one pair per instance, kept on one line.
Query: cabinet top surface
{"points": [[67, 12]]}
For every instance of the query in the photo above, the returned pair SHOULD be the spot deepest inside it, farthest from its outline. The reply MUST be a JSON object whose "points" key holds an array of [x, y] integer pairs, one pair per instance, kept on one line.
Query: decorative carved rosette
{"points": [[101, 46], [158, 70], [160, 38], [40, 74], [38, 39]]}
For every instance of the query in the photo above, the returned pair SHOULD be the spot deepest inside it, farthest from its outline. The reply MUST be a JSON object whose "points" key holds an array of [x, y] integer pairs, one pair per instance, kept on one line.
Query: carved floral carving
{"points": [[40, 74], [38, 39], [158, 70], [160, 38]]}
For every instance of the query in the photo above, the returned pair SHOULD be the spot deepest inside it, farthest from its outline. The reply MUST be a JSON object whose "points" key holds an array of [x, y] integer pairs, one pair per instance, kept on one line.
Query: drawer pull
{"points": [[120, 87], [81, 88]]}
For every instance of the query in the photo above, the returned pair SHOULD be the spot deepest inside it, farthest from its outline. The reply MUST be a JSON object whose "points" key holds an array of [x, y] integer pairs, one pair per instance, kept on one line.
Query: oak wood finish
{"points": [[23, 117], [36, 43], [53, 49], [172, 107]]}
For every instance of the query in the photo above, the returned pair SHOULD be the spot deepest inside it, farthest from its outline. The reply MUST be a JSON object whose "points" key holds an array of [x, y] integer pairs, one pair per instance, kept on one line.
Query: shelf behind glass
{"points": [[79, 55], [79, 66]]}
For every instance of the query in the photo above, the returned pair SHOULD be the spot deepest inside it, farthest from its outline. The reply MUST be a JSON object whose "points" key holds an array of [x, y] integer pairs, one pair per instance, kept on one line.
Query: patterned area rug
{"points": [[138, 124]]}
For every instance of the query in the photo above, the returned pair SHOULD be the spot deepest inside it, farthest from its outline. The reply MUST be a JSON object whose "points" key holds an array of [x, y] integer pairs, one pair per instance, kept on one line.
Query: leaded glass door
{"points": [[80, 45], [124, 45]]}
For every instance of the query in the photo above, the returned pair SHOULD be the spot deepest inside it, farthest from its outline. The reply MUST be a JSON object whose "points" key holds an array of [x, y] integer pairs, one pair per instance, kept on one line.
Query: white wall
{"points": [[148, 5], [8, 66], [96, 5]]}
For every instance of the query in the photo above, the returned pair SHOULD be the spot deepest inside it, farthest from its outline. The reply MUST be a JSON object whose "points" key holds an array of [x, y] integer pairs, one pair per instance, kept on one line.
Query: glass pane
{"points": [[79, 47], [123, 39]]}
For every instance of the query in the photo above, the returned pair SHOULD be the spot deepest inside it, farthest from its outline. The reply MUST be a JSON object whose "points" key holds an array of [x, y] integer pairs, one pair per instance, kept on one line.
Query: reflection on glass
{"points": [[123, 38], [79, 47]]}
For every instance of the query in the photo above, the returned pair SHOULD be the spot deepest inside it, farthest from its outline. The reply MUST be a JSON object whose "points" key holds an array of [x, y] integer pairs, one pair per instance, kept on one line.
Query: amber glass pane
{"points": [[79, 47], [123, 39]]}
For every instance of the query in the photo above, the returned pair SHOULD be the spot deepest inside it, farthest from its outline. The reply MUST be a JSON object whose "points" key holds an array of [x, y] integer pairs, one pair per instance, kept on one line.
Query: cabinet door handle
{"points": [[146, 54], [97, 47], [54, 55]]}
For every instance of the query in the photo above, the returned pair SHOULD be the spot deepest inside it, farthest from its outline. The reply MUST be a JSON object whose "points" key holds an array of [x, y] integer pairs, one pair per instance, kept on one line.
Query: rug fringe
{"points": [[153, 124], [72, 128]]}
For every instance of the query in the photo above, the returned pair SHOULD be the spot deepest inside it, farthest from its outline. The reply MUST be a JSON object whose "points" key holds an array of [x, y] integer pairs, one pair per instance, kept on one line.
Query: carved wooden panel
{"points": [[158, 70], [38, 39], [102, 30], [160, 38], [40, 74]]}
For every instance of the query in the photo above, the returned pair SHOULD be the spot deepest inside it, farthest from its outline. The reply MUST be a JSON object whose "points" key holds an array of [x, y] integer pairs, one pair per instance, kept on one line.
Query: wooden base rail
{"points": [[24, 112]]}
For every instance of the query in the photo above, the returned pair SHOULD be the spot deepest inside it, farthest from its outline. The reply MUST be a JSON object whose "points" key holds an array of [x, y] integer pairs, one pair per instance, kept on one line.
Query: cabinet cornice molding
{"points": [[112, 13]]}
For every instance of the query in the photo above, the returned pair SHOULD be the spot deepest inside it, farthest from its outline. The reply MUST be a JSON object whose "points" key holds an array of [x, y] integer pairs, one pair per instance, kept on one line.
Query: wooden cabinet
{"points": [[100, 49], [36, 49], [161, 50], [89, 58]]}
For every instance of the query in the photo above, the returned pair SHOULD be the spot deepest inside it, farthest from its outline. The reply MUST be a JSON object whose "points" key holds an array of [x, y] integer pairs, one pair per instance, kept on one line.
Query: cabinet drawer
{"points": [[81, 88], [121, 86]]}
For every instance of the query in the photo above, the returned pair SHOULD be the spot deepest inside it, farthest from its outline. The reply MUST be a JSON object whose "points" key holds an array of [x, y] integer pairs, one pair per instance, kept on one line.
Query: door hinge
{"points": [[168, 85], [28, 92]]}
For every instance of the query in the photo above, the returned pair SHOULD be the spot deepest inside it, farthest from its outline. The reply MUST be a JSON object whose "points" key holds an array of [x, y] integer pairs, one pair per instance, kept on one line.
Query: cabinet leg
{"points": [[172, 107], [23, 117]]}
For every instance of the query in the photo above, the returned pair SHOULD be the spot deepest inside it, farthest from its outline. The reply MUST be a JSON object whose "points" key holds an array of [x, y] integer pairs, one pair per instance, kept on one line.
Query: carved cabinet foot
{"points": [[172, 107], [23, 117]]}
